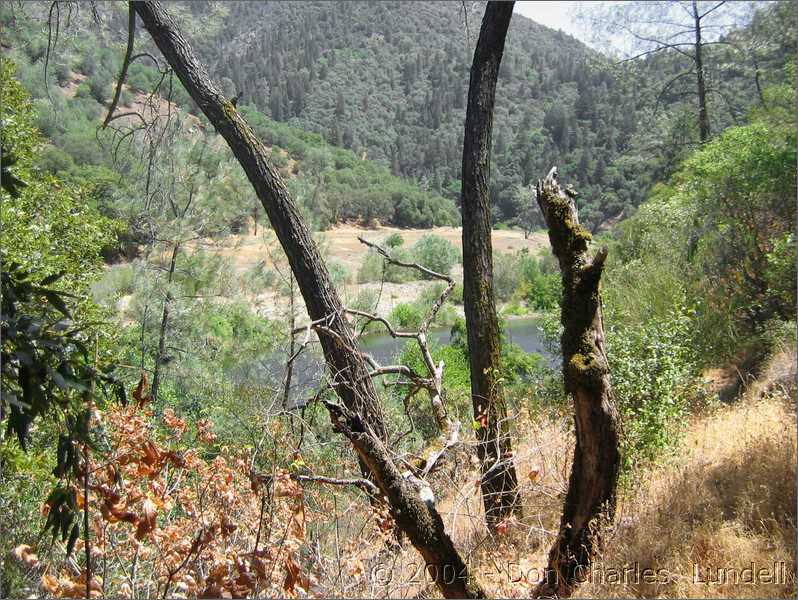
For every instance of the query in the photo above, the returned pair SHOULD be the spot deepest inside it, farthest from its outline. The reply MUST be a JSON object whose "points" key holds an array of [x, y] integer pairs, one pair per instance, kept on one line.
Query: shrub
{"points": [[366, 300], [394, 240], [652, 366], [520, 366], [83, 91], [126, 98], [98, 89], [406, 315], [457, 294], [258, 277], [523, 276], [371, 268], [456, 382], [54, 160], [436, 253], [62, 74], [117, 282], [543, 292], [447, 315], [373, 264], [506, 274], [339, 273]]}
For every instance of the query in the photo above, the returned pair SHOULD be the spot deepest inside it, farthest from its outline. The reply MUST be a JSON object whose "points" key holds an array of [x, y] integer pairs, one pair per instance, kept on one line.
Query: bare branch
{"points": [[384, 253], [371, 318], [718, 5], [131, 33], [363, 484]]}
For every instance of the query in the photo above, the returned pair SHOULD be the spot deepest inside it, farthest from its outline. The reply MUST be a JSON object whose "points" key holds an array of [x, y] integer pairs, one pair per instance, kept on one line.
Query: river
{"points": [[309, 367]]}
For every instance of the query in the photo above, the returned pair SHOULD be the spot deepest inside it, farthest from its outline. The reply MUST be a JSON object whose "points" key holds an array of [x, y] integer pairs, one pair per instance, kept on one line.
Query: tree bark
{"points": [[359, 415], [494, 449], [167, 301], [591, 489], [703, 115]]}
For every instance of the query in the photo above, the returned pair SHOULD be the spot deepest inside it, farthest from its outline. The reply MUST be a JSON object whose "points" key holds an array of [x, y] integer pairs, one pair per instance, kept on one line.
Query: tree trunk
{"points": [[499, 484], [289, 372], [359, 415], [703, 115], [156, 377], [594, 476]]}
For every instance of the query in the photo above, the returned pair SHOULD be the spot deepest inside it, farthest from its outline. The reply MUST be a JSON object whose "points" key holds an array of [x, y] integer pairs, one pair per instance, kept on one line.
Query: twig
{"points": [[384, 253], [131, 32], [364, 484]]}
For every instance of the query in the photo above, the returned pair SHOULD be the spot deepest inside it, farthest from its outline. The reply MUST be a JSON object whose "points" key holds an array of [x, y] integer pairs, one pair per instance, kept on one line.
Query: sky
{"points": [[562, 15], [557, 15]]}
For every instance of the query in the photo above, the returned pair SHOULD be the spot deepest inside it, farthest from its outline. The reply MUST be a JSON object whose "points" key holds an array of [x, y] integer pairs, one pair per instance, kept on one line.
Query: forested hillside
{"points": [[388, 80]]}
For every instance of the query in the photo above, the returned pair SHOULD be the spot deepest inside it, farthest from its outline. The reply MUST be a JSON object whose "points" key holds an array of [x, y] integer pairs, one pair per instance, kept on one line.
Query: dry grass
{"points": [[725, 500]]}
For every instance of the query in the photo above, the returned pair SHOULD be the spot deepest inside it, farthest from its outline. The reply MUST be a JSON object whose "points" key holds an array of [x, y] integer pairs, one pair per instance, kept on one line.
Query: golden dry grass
{"points": [[725, 500]]}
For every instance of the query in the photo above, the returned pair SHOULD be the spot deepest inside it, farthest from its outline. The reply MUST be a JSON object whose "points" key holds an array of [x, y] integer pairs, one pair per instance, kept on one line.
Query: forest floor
{"points": [[722, 502]]}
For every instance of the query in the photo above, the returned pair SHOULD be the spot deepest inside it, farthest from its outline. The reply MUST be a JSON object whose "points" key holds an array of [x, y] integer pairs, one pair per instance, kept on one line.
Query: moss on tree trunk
{"points": [[591, 489], [494, 448]]}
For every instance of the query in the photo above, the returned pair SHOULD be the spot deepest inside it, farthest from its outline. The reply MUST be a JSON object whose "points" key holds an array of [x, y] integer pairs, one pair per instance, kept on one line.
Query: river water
{"points": [[525, 332], [308, 369]]}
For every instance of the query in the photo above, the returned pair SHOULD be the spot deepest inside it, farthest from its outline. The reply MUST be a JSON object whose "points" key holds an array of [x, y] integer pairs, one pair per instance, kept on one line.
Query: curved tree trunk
{"points": [[359, 416], [499, 484], [594, 476]]}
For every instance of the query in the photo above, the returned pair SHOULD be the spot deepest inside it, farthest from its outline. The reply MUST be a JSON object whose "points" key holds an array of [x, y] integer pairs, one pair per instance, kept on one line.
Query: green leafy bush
{"points": [[436, 253], [117, 281], [525, 277], [339, 274], [406, 315], [394, 240], [374, 266], [456, 382], [653, 365]]}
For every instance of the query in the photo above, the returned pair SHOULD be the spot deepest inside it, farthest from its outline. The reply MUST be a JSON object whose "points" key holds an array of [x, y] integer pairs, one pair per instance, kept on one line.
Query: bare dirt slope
{"points": [[342, 245]]}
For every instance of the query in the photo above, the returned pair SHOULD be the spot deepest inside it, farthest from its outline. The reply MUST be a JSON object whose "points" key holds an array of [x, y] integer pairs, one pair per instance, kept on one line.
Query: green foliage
{"points": [[48, 225], [653, 365], [345, 186], [366, 300], [522, 276], [456, 382], [720, 233], [53, 361], [259, 277], [394, 240], [118, 281], [436, 253], [339, 274], [780, 271], [375, 267], [457, 294], [406, 315]]}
